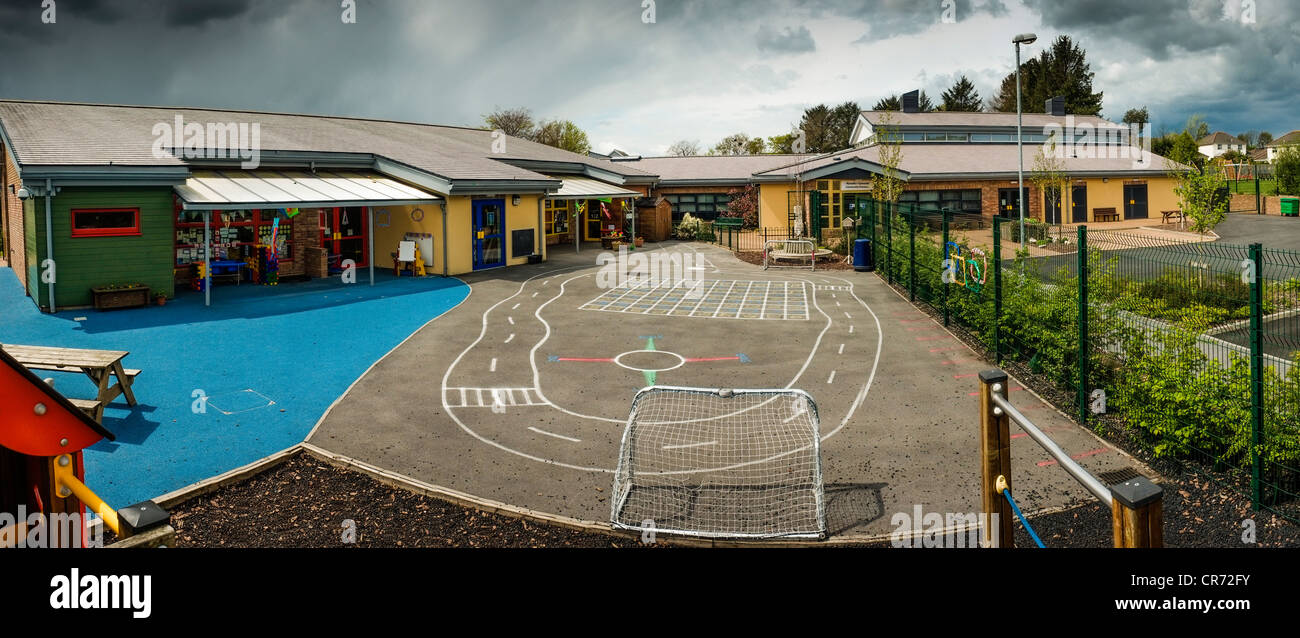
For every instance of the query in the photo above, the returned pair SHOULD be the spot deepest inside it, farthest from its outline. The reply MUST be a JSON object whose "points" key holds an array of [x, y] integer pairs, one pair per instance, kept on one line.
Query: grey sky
{"points": [[704, 69]]}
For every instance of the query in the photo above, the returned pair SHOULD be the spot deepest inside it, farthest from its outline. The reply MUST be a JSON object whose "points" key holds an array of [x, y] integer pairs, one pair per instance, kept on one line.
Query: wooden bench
{"points": [[1171, 214], [94, 409], [1105, 215]]}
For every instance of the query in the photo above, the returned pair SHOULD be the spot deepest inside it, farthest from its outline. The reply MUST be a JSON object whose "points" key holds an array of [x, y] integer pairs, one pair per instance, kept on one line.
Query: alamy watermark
{"points": [[655, 269], [1097, 141], [934, 529], [213, 140]]}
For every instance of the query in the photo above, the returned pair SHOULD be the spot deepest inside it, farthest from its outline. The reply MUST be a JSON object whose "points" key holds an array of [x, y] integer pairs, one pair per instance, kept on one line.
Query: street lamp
{"points": [[1024, 38]]}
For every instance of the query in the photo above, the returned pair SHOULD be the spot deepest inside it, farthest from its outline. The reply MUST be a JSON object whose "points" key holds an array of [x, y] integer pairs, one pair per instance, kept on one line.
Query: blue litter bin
{"points": [[864, 258]]}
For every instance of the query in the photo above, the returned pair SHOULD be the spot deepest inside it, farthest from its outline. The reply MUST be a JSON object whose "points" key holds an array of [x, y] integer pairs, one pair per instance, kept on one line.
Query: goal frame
{"points": [[623, 473]]}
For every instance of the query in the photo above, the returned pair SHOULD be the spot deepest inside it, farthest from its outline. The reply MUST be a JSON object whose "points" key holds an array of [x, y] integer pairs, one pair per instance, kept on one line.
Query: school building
{"points": [[106, 195]]}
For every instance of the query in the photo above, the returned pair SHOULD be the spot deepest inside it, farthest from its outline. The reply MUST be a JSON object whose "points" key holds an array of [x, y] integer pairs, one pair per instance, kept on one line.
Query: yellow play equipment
{"points": [[408, 257]]}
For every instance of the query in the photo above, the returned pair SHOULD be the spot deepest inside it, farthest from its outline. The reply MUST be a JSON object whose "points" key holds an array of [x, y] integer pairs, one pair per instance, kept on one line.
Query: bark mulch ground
{"points": [[305, 502]]}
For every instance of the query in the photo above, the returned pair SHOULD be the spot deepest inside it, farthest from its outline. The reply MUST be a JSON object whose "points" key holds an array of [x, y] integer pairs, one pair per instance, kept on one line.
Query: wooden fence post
{"points": [[995, 461], [1137, 513]]}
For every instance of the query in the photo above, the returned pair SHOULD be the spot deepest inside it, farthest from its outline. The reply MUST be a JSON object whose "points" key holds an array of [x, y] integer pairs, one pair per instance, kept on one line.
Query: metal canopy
{"points": [[576, 187], [223, 190]]}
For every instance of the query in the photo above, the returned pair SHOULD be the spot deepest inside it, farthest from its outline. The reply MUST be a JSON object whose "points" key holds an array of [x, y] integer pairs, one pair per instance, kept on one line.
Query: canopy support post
{"points": [[207, 258]]}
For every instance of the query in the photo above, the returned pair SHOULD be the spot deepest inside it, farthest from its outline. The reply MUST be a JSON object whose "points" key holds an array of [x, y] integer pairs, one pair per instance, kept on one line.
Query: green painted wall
{"points": [[83, 262]]}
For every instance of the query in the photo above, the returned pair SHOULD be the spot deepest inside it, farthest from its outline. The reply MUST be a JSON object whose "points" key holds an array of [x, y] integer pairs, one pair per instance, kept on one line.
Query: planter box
{"points": [[106, 299]]}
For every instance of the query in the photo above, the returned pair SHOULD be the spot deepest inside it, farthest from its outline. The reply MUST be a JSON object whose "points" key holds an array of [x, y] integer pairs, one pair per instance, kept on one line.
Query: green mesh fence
{"points": [[1187, 350]]}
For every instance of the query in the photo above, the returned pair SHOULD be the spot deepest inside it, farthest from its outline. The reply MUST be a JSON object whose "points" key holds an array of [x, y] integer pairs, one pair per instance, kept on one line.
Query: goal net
{"points": [[721, 464]]}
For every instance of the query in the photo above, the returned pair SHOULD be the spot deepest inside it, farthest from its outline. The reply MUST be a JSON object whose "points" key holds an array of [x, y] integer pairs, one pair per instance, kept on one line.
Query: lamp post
{"points": [[1024, 38]]}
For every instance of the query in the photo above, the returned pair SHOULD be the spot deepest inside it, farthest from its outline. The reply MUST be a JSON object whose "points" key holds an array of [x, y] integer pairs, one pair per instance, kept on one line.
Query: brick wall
{"points": [[15, 251], [988, 193]]}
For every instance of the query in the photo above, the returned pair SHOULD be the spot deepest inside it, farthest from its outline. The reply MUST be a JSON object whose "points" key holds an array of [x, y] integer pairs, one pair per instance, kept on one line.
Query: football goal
{"points": [[721, 464]]}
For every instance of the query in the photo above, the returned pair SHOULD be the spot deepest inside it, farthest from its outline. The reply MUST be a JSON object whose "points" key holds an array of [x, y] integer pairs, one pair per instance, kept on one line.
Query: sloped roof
{"points": [[976, 161], [719, 168], [1218, 137], [70, 134], [1290, 138], [977, 118]]}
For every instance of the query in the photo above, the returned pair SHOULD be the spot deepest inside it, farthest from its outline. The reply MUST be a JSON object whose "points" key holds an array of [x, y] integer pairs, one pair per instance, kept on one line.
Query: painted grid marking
{"points": [[718, 299], [483, 397]]}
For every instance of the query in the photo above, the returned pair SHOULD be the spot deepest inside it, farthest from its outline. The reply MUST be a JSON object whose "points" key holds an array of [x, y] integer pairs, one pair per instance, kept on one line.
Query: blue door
{"points": [[489, 233]]}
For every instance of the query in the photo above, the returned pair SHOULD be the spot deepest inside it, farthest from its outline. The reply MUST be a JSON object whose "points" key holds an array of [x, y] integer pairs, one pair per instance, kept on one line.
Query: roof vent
{"points": [[1055, 105], [912, 102]]}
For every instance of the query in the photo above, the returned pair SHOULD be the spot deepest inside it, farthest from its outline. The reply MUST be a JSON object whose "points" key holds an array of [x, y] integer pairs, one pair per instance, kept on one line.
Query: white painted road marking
{"points": [[493, 366], [558, 436], [511, 320], [510, 338], [832, 379], [841, 347], [516, 306]]}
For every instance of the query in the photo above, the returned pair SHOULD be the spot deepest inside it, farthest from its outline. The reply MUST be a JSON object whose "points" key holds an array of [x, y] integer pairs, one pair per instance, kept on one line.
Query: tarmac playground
{"points": [[520, 394]]}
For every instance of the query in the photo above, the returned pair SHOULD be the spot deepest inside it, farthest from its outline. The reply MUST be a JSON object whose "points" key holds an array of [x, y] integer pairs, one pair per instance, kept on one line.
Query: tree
{"points": [[1197, 127], [781, 143], [1198, 192], [888, 186], [563, 134], [1287, 168], [1136, 116], [962, 96], [1049, 175], [1265, 137], [684, 148], [1061, 69], [735, 144], [744, 204], [515, 122], [828, 129]]}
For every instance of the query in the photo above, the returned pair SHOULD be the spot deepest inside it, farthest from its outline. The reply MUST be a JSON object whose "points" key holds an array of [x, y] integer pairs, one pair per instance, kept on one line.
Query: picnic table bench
{"points": [[1105, 214], [1171, 214], [99, 365]]}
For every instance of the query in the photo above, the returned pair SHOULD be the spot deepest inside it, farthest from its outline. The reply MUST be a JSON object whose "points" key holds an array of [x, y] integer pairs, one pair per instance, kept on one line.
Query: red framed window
{"points": [[105, 222]]}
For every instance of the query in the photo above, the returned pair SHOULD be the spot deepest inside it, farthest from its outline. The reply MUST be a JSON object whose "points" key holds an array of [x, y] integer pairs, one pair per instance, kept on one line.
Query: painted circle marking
{"points": [[681, 361]]}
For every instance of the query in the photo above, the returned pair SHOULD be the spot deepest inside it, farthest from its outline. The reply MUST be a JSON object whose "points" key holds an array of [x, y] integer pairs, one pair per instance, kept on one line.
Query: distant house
{"points": [[1258, 154], [1218, 143], [1275, 147]]}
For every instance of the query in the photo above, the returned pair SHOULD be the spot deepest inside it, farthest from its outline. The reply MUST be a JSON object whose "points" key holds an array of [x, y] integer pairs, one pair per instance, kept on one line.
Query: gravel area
{"points": [[304, 502]]}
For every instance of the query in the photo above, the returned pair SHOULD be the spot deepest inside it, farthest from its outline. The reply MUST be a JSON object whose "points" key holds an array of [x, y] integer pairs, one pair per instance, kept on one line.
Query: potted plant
{"points": [[160, 299], [120, 296], [640, 241]]}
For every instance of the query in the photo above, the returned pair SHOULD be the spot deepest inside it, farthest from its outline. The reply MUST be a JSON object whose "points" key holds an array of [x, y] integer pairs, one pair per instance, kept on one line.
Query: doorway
{"points": [[1135, 201], [1079, 204], [489, 233], [343, 233]]}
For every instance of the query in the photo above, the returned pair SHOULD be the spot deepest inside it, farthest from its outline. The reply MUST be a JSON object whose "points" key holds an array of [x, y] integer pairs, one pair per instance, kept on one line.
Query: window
{"points": [[106, 222], [234, 234], [557, 217], [957, 201], [706, 206], [913, 137]]}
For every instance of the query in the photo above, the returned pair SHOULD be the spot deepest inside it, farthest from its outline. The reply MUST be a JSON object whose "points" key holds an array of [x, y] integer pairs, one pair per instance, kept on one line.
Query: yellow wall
{"points": [[1110, 194], [774, 205], [460, 245]]}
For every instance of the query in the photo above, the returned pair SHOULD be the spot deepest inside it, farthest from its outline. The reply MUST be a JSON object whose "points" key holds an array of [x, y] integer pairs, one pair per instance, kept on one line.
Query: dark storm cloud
{"points": [[1241, 70], [787, 41], [192, 13]]}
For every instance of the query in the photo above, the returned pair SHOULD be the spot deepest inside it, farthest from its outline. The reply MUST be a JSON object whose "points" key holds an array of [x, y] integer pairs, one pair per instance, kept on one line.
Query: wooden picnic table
{"points": [[1105, 215], [1170, 214], [99, 365]]}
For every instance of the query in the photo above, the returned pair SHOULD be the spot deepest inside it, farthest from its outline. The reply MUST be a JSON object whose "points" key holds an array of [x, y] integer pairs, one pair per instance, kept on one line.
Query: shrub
{"points": [[1287, 168], [689, 228]]}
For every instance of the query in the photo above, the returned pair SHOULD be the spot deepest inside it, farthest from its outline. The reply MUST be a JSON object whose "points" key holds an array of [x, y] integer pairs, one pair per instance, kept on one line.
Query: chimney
{"points": [[1055, 105], [912, 102]]}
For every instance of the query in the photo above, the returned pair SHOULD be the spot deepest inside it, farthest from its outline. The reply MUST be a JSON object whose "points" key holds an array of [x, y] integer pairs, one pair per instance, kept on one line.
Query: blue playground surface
{"points": [[270, 359]]}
